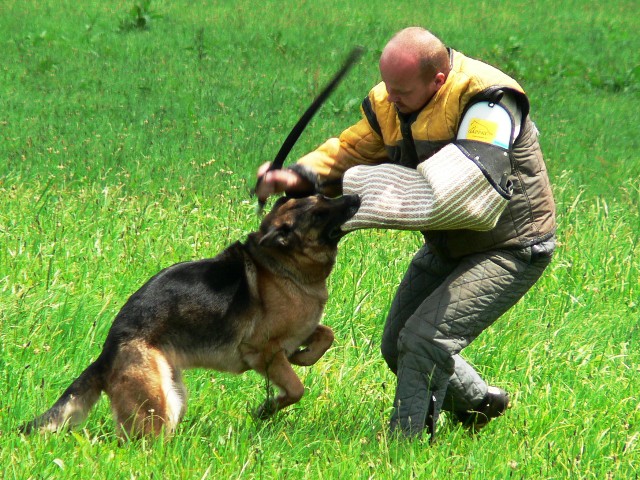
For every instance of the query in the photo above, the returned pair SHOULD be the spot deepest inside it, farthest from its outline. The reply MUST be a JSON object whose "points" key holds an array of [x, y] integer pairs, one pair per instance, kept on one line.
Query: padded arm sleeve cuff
{"points": [[447, 191]]}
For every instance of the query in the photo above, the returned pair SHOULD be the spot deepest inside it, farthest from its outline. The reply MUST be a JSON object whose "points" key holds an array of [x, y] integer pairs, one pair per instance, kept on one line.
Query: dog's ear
{"points": [[275, 237]]}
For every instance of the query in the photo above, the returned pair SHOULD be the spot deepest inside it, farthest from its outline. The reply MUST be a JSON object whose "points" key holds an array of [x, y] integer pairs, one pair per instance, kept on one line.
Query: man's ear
{"points": [[275, 237]]}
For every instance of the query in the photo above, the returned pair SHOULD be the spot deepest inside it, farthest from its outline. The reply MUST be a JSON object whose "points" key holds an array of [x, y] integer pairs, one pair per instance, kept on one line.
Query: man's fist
{"points": [[278, 181]]}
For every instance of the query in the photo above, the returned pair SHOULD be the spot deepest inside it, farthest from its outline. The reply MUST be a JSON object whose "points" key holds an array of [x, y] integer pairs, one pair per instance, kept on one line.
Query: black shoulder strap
{"points": [[371, 116]]}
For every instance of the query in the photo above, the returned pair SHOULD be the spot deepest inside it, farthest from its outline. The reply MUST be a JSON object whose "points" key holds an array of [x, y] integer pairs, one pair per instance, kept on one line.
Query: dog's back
{"points": [[192, 309]]}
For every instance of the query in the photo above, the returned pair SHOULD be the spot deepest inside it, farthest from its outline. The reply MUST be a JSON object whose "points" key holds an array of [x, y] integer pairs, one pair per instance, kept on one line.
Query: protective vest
{"points": [[386, 136]]}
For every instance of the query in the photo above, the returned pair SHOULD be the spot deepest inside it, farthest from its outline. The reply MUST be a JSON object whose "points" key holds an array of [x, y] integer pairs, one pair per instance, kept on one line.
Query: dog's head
{"points": [[305, 223]]}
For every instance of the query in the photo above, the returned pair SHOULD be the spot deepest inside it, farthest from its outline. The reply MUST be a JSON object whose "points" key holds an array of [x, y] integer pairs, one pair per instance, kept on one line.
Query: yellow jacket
{"points": [[377, 137]]}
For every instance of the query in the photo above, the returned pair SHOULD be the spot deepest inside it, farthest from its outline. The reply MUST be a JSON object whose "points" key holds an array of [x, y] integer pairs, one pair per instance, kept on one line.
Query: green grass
{"points": [[127, 149]]}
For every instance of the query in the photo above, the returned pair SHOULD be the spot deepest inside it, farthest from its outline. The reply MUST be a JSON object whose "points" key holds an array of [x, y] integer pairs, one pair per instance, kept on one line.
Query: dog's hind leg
{"points": [[275, 366], [314, 347], [146, 391]]}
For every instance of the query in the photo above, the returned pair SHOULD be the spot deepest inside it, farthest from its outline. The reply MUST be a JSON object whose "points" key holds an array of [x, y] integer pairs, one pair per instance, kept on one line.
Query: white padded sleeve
{"points": [[447, 191], [494, 123]]}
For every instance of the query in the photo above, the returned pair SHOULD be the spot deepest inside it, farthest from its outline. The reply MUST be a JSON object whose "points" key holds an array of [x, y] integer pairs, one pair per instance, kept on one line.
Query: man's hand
{"points": [[278, 181]]}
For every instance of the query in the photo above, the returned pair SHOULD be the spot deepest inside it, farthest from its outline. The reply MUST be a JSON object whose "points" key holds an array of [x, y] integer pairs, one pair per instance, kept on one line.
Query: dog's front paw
{"points": [[303, 357], [266, 410]]}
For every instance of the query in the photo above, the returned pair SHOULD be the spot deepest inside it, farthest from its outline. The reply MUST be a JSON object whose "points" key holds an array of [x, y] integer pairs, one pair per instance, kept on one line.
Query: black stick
{"points": [[295, 133]]}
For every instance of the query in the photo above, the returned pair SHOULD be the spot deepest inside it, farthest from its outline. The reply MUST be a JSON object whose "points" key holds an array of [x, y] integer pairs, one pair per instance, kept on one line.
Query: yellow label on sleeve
{"points": [[482, 130]]}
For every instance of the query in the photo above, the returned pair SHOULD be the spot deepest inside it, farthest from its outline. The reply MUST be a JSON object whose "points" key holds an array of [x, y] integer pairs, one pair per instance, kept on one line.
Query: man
{"points": [[446, 147]]}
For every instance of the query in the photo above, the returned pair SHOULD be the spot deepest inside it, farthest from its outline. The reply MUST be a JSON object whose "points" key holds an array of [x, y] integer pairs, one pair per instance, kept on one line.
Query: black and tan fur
{"points": [[257, 305]]}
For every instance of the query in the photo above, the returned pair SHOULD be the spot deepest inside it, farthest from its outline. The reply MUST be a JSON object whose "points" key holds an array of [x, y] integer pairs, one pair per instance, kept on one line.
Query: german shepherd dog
{"points": [[257, 305]]}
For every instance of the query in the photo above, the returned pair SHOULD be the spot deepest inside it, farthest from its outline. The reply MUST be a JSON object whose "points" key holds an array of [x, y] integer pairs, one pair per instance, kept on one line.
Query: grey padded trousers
{"points": [[441, 306]]}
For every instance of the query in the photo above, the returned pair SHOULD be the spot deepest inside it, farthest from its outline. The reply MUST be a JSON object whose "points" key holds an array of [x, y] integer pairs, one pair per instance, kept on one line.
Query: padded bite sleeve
{"points": [[450, 190]]}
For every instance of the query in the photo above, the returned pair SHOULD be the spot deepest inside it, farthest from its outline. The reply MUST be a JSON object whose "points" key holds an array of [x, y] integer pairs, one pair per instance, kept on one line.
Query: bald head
{"points": [[414, 65], [415, 46]]}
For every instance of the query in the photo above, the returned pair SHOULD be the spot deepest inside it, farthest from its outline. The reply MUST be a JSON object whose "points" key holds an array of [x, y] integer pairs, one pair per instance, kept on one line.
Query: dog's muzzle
{"points": [[349, 206]]}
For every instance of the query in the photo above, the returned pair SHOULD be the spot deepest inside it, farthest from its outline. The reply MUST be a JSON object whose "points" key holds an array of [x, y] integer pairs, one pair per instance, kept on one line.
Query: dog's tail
{"points": [[76, 401]]}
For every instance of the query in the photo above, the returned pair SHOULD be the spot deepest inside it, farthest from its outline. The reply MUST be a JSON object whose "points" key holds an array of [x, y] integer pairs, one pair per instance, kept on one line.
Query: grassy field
{"points": [[129, 141]]}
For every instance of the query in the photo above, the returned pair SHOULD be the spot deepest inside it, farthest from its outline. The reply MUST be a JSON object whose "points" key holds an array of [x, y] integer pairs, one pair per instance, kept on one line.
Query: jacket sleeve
{"points": [[325, 166]]}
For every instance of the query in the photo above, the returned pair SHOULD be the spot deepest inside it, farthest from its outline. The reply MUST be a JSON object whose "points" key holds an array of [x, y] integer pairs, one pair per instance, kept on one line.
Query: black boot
{"points": [[493, 405]]}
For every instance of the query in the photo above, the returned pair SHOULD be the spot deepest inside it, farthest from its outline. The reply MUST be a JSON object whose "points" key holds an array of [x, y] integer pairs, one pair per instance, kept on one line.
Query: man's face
{"points": [[406, 86]]}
